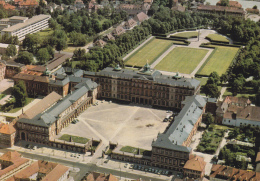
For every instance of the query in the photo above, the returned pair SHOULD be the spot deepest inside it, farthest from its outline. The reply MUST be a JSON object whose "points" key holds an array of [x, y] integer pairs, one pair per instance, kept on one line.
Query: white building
{"points": [[26, 26]]}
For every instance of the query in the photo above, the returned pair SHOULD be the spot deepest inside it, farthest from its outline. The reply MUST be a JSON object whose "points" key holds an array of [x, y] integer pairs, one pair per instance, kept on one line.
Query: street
{"points": [[84, 167]]}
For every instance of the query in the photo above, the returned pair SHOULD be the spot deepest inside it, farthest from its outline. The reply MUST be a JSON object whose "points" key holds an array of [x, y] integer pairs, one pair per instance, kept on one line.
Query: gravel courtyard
{"points": [[130, 125]]}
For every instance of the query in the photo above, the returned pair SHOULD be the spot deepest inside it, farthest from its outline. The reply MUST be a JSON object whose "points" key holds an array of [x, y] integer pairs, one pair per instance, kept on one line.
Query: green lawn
{"points": [[28, 101], [189, 34], [247, 92], [131, 149], [151, 51], [46, 32], [216, 37], [182, 59], [2, 96], [203, 80], [75, 139], [219, 60]]}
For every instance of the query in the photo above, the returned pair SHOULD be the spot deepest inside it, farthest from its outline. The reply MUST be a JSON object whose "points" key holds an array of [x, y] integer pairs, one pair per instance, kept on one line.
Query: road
{"points": [[84, 167]]}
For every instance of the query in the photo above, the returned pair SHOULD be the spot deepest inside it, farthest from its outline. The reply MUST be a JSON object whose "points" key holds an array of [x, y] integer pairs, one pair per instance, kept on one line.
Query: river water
{"points": [[245, 4]]}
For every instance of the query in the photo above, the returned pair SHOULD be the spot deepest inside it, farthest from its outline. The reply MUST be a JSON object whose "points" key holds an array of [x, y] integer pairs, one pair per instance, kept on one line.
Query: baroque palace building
{"points": [[144, 87]]}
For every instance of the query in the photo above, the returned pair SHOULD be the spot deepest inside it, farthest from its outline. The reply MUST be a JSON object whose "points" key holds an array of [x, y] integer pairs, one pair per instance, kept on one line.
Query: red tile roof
{"points": [[232, 4], [7, 128], [196, 163]]}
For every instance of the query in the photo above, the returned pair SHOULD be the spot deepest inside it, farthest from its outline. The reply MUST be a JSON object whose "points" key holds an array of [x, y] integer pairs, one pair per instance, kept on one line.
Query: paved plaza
{"points": [[123, 124]]}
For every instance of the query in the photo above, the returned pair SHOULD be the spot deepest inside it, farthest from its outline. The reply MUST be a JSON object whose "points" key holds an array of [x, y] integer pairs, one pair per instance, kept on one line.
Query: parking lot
{"points": [[130, 125]]}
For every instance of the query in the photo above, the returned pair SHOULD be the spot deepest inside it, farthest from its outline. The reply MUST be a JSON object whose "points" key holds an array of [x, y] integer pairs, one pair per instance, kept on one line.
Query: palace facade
{"points": [[144, 87]]}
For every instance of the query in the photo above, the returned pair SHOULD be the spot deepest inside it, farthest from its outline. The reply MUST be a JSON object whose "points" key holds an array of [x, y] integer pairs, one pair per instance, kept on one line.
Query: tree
{"points": [[53, 24], [32, 42], [11, 50], [43, 55], [224, 3], [61, 45], [20, 94], [255, 7], [238, 84], [209, 119], [223, 78], [25, 58], [211, 90], [78, 39]]}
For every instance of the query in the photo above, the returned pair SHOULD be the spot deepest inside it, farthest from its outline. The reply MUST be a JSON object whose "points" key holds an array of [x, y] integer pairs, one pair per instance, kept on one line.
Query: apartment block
{"points": [[25, 26]]}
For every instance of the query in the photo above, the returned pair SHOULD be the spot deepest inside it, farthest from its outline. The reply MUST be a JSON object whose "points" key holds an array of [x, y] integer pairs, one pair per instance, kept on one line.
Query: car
{"points": [[150, 169], [163, 172], [34, 148], [142, 168], [71, 155], [139, 167], [166, 172], [106, 161], [168, 111], [75, 155], [73, 122], [135, 166], [146, 169], [126, 165], [159, 172], [131, 166], [156, 171], [165, 120]]}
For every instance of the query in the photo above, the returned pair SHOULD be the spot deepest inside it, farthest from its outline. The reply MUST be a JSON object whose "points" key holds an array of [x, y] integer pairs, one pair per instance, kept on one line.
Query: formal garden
{"points": [[217, 38], [211, 139], [149, 52], [186, 35], [182, 59], [219, 60]]}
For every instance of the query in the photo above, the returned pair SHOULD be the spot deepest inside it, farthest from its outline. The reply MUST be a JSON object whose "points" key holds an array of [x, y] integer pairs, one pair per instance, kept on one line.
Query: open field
{"points": [[182, 59], [150, 51], [219, 60], [189, 34], [216, 37], [127, 125]]}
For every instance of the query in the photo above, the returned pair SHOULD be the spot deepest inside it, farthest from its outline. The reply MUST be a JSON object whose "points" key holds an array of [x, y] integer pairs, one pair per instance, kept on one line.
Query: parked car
{"points": [[106, 161], [156, 171], [126, 165], [153, 170], [159, 172], [131, 166], [150, 170]]}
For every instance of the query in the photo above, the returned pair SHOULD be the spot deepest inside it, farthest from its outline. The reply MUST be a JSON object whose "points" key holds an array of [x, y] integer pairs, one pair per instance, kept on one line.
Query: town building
{"points": [[253, 11], [231, 4], [100, 43], [3, 48], [10, 163], [144, 87], [119, 30], [7, 134], [178, 8], [57, 61], [222, 10], [140, 17], [108, 37], [28, 26], [12, 68], [2, 71], [223, 173], [194, 167], [95, 176], [133, 9], [171, 149], [42, 170], [130, 24], [7, 6], [79, 4], [235, 111], [23, 4], [48, 117]]}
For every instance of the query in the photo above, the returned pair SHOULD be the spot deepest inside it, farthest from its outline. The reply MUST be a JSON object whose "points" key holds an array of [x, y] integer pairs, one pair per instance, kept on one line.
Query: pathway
{"points": [[162, 56], [223, 90], [137, 48], [201, 63]]}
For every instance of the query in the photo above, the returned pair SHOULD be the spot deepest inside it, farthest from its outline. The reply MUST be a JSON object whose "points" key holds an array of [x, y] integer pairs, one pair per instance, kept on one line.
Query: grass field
{"points": [[219, 60], [216, 37], [45, 33], [150, 51], [181, 59], [75, 139], [188, 34], [131, 149], [28, 101]]}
